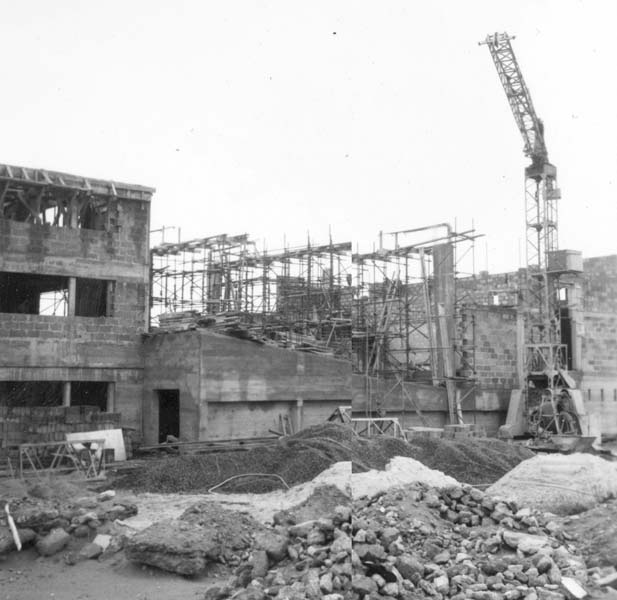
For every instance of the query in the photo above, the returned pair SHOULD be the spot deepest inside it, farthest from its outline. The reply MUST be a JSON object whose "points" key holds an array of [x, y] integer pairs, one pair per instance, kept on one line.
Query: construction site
{"points": [[208, 418]]}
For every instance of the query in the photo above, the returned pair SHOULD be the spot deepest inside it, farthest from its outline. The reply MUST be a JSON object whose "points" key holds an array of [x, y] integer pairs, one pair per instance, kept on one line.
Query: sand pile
{"points": [[562, 484], [399, 471]]}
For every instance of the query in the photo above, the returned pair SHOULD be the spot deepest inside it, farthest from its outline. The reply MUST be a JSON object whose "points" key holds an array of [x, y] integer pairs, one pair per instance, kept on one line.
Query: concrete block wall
{"points": [[481, 289], [599, 340], [496, 352], [57, 348]]}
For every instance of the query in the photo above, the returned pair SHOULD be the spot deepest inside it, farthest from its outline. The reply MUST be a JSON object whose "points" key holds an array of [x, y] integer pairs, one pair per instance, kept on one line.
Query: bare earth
{"points": [[25, 576]]}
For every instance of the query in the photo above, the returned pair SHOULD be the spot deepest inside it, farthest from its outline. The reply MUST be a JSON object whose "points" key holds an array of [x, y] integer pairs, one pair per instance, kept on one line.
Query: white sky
{"points": [[281, 117]]}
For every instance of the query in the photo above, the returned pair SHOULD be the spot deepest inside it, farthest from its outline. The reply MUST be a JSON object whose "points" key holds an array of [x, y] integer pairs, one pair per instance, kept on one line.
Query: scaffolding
{"points": [[298, 297], [411, 321]]}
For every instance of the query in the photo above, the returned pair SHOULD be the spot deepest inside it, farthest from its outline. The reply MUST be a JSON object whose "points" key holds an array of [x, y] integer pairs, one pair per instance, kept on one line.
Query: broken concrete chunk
{"points": [[106, 495], [573, 588], [408, 565], [363, 586], [7, 541], [90, 551], [86, 502], [53, 542], [525, 542], [260, 564], [102, 540], [275, 545], [81, 531]]}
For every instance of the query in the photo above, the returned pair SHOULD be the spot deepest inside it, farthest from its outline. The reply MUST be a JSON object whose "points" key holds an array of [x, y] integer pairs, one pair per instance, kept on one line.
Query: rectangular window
{"points": [[51, 393], [89, 393], [91, 297], [31, 393], [34, 294]]}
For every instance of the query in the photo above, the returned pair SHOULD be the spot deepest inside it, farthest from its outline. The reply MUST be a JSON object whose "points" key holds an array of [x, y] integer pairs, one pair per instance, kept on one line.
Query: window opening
{"points": [[33, 294]]}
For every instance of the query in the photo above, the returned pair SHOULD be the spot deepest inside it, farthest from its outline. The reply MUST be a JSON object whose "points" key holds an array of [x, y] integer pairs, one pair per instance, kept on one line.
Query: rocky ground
{"points": [[394, 541], [420, 542]]}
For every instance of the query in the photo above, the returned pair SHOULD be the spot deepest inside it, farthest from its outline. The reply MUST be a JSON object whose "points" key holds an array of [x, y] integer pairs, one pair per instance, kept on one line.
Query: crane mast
{"points": [[541, 196], [547, 386]]}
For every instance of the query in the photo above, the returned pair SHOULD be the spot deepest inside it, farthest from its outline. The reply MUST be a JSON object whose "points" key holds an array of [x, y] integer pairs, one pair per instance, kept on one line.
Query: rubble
{"points": [[51, 522], [316, 562], [595, 532], [410, 533], [203, 535], [53, 542], [417, 541]]}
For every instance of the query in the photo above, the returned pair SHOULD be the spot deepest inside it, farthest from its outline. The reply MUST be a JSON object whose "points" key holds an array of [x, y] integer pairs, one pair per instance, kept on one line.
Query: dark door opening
{"points": [[169, 414]]}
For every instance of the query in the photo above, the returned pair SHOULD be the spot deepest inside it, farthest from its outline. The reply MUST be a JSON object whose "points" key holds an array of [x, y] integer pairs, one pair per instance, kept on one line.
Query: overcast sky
{"points": [[281, 117]]}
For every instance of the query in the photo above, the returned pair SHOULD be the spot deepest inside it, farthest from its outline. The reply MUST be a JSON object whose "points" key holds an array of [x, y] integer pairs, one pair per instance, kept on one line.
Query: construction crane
{"points": [[548, 402]]}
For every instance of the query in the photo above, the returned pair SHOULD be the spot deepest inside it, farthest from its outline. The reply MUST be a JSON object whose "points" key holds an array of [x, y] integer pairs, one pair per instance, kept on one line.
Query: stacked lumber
{"points": [[179, 321]]}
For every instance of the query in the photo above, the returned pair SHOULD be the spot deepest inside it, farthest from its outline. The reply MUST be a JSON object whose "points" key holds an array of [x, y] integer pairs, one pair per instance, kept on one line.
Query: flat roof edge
{"points": [[58, 179]]}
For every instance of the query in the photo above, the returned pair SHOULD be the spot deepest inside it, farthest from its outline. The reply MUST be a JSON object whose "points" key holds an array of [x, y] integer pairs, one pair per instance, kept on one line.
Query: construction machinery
{"points": [[547, 407]]}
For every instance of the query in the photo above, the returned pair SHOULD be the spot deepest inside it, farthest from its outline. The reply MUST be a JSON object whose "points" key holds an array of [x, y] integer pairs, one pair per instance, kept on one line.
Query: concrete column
{"points": [[111, 397], [72, 291], [521, 370], [443, 298], [300, 369], [575, 305], [299, 413], [443, 290], [73, 210], [66, 393]]}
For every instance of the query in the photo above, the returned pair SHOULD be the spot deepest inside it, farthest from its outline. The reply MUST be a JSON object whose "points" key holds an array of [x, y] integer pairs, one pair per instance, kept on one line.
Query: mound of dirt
{"points": [[321, 502], [474, 461], [300, 457], [294, 459], [561, 484], [595, 532]]}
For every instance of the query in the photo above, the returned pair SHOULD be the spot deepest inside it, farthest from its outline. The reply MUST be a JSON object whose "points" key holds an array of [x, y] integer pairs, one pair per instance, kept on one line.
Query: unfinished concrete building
{"points": [[443, 342], [246, 342], [74, 274], [211, 339]]}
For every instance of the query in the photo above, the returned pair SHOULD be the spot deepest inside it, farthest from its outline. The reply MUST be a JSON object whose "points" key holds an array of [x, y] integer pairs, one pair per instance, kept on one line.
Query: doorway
{"points": [[169, 414]]}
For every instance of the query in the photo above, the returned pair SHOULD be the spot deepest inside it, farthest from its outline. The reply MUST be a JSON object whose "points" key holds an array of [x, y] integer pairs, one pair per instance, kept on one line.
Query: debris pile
{"points": [[51, 524], [416, 542], [595, 532], [203, 535], [563, 484], [295, 561]]}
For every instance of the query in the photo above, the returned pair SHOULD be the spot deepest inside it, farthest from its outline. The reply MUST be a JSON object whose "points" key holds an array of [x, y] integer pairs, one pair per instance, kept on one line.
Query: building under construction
{"points": [[216, 339], [297, 298]]}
